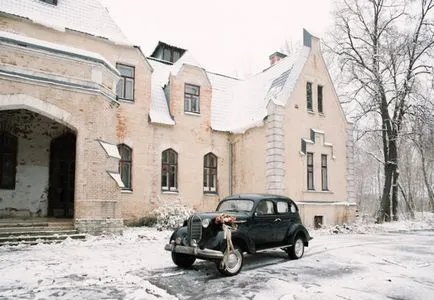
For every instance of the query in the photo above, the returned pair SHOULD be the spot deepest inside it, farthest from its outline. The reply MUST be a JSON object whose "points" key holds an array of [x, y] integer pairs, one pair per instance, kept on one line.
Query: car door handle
{"points": [[277, 220]]}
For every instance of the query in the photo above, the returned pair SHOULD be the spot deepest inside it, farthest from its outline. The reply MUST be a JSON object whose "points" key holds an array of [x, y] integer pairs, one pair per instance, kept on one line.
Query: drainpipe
{"points": [[230, 167]]}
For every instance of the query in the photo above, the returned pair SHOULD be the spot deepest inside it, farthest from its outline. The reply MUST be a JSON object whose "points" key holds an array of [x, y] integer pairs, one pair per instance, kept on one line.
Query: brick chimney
{"points": [[275, 57]]}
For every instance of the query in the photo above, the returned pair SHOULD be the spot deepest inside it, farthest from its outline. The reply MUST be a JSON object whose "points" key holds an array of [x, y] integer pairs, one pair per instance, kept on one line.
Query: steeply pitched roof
{"points": [[88, 16], [245, 101], [237, 105]]}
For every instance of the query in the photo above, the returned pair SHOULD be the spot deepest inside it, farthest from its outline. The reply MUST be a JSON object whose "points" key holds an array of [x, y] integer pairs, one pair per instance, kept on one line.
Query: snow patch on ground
{"points": [[422, 221], [134, 265]]}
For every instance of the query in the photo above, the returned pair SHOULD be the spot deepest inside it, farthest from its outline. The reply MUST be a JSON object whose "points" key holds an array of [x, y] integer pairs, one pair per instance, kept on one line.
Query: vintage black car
{"points": [[244, 223]]}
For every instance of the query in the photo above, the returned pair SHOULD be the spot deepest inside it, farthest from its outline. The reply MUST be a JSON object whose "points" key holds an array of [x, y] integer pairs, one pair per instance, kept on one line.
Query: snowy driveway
{"points": [[396, 265]]}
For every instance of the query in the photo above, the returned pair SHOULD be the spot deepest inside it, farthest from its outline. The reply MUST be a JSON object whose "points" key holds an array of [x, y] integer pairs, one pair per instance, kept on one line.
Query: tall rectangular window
{"points": [[320, 97], [210, 173], [125, 165], [324, 180], [309, 96], [125, 87], [191, 98], [169, 170], [8, 160], [310, 183]]}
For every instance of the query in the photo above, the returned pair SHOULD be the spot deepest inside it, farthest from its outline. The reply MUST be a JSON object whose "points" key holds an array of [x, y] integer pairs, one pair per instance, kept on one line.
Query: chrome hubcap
{"points": [[234, 261], [298, 249]]}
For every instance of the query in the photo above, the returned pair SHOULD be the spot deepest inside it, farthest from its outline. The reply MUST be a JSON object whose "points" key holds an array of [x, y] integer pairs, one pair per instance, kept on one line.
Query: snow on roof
{"points": [[88, 16], [237, 105], [222, 97], [159, 112], [43, 45], [247, 103]]}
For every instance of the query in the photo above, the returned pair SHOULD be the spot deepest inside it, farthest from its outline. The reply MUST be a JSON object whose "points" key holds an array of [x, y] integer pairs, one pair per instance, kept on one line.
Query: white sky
{"points": [[232, 37]]}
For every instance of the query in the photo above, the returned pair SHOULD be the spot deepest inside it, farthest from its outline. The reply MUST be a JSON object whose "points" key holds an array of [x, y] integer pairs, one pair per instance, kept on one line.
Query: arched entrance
{"points": [[62, 176], [37, 167]]}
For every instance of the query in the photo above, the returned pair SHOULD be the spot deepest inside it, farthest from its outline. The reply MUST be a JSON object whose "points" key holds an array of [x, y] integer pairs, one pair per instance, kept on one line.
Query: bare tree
{"points": [[422, 136], [383, 46]]}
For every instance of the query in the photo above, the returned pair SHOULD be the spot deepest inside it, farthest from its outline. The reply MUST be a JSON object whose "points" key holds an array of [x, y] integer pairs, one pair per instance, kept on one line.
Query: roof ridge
{"points": [[223, 75]]}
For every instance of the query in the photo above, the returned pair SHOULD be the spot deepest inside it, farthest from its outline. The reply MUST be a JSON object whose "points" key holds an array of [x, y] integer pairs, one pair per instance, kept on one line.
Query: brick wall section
{"points": [[249, 161], [192, 138], [90, 116], [127, 124]]}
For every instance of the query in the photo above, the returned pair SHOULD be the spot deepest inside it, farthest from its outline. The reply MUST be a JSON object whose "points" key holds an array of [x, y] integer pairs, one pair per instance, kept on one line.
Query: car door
{"points": [[283, 220], [262, 227]]}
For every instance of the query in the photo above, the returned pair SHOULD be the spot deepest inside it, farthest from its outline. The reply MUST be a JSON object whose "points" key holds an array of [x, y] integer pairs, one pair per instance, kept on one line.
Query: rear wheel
{"points": [[183, 260], [296, 251], [233, 264]]}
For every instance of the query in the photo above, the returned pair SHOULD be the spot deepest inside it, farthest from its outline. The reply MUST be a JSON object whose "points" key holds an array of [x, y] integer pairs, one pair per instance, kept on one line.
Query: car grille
{"points": [[195, 228]]}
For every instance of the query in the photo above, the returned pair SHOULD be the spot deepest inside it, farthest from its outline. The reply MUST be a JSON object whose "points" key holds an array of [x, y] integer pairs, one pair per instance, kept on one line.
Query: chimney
{"points": [[275, 57]]}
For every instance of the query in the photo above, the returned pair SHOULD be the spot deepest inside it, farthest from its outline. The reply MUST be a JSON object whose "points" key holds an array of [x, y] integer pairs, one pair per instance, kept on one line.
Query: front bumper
{"points": [[194, 251]]}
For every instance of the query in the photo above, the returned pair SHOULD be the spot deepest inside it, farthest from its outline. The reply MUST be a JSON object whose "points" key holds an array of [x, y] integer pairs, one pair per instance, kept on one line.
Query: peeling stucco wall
{"points": [[34, 133]]}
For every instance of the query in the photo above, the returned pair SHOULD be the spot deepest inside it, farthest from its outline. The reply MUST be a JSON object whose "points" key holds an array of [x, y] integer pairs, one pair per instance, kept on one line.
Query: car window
{"points": [[265, 207], [235, 205], [293, 208], [282, 207]]}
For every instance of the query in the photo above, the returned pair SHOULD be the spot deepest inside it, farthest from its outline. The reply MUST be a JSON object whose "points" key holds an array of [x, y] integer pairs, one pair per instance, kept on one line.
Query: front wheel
{"points": [[233, 264], [296, 251], [183, 260]]}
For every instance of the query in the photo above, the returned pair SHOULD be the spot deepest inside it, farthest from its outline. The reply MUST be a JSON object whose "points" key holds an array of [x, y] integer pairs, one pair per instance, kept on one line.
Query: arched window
{"points": [[8, 160], [210, 173], [169, 170], [125, 164]]}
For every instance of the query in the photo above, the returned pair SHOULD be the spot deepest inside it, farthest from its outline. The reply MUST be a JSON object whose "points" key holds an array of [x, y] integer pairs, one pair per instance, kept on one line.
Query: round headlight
{"points": [[205, 223]]}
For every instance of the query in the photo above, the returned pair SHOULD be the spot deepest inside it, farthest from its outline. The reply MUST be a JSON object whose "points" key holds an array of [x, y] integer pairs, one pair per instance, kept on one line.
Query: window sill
{"points": [[318, 192], [321, 114], [170, 192], [311, 112], [127, 191], [192, 113], [126, 100], [210, 194]]}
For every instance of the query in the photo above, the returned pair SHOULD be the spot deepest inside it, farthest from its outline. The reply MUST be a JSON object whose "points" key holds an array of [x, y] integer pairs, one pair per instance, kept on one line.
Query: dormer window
{"points": [[167, 52], [170, 54], [52, 2]]}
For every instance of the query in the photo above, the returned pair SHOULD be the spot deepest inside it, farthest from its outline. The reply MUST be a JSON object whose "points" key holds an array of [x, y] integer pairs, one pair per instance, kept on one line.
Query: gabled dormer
{"points": [[167, 52]]}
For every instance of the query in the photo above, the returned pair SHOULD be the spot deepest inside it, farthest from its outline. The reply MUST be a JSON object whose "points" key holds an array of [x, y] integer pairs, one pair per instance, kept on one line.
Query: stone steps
{"points": [[35, 231]]}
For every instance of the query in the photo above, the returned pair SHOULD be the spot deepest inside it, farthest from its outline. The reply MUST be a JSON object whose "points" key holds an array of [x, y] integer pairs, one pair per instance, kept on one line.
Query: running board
{"points": [[274, 248]]}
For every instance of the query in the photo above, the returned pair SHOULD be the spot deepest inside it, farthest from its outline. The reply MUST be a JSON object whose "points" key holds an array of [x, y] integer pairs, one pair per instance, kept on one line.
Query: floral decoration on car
{"points": [[225, 219]]}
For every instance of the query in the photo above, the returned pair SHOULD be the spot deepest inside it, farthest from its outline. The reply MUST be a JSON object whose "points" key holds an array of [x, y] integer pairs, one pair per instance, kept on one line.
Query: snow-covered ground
{"points": [[388, 261]]}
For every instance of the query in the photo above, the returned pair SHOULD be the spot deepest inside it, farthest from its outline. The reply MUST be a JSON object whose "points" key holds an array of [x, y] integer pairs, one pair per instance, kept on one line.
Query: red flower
{"points": [[224, 219]]}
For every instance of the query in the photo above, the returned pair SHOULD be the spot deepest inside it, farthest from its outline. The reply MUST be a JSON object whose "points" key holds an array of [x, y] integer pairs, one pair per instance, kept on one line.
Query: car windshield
{"points": [[235, 205]]}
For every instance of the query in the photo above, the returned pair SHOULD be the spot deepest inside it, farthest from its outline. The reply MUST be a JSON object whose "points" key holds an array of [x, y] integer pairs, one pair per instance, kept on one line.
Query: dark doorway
{"points": [[62, 176], [318, 222]]}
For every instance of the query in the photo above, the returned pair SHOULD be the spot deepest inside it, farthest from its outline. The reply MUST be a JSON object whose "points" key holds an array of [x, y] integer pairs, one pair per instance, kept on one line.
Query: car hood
{"points": [[212, 215]]}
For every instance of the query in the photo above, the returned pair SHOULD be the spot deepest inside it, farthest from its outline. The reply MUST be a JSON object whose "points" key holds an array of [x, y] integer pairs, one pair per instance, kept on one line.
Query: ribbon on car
{"points": [[227, 235]]}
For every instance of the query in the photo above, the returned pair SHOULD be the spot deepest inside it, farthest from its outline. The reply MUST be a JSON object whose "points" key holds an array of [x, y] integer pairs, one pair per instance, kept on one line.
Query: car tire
{"points": [[183, 260], [296, 251], [235, 263]]}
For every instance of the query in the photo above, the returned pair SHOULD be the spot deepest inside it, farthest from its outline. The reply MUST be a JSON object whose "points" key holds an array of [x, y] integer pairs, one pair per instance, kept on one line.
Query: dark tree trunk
{"points": [[395, 195]]}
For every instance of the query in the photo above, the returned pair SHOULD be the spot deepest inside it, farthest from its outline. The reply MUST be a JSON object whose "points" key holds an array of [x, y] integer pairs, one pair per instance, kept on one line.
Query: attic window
{"points": [[170, 54], [52, 2]]}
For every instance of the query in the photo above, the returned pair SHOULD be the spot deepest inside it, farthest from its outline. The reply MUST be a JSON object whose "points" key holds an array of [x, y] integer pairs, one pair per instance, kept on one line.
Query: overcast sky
{"points": [[232, 37]]}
